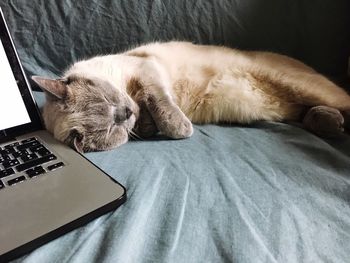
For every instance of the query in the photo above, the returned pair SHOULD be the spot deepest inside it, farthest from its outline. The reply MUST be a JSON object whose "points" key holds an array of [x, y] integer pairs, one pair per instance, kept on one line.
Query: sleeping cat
{"points": [[163, 87]]}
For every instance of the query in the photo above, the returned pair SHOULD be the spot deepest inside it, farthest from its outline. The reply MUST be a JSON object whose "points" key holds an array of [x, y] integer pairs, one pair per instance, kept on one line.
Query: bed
{"points": [[267, 192]]}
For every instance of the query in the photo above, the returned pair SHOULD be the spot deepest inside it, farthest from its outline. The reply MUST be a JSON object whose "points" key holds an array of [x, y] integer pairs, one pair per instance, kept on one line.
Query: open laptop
{"points": [[46, 188]]}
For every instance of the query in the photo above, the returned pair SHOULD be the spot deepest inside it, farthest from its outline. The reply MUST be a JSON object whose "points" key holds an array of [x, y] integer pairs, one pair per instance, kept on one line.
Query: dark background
{"points": [[50, 35]]}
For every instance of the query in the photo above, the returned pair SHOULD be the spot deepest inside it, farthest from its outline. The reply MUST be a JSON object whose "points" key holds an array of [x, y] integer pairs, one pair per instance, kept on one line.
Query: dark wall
{"points": [[52, 34]]}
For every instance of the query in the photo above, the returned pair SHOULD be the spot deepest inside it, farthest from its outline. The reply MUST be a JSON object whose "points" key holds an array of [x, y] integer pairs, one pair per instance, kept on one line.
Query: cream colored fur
{"points": [[177, 82], [213, 84]]}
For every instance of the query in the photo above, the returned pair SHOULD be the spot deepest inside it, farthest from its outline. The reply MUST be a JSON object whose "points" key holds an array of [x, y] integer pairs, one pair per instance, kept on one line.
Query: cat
{"points": [[165, 87]]}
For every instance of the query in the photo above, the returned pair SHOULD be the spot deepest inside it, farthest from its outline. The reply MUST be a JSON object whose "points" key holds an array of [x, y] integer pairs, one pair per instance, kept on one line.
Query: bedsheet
{"points": [[267, 192]]}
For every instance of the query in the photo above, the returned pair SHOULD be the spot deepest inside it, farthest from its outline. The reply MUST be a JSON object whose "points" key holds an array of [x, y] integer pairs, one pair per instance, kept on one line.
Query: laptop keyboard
{"points": [[25, 158]]}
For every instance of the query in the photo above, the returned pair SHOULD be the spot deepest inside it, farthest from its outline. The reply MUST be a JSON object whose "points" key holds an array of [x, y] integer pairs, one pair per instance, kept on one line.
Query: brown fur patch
{"points": [[145, 125], [290, 101], [134, 89], [140, 54], [188, 96], [209, 71]]}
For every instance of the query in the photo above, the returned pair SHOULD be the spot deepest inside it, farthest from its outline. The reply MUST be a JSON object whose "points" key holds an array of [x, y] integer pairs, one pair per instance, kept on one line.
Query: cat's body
{"points": [[177, 82]]}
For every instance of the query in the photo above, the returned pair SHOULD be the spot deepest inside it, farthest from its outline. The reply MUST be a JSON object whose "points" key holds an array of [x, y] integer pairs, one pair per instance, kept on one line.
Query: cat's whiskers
{"points": [[110, 130], [134, 136]]}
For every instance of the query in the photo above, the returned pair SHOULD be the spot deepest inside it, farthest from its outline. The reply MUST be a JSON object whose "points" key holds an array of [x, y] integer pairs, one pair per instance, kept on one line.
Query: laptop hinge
{"points": [[4, 137]]}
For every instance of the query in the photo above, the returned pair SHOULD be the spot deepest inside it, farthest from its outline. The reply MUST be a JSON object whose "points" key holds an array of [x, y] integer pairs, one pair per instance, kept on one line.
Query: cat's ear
{"points": [[55, 87], [76, 140], [78, 145]]}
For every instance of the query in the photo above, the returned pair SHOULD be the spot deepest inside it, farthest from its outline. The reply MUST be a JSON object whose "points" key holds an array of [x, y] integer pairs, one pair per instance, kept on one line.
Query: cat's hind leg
{"points": [[328, 104], [333, 117]]}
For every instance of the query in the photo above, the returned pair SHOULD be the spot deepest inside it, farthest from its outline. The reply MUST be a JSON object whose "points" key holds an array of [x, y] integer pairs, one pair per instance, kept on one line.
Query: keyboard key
{"points": [[55, 166], [9, 146], [20, 153], [10, 163], [7, 151], [16, 180], [35, 171], [28, 140], [28, 157], [4, 158], [28, 145], [6, 172], [30, 164], [41, 150]]}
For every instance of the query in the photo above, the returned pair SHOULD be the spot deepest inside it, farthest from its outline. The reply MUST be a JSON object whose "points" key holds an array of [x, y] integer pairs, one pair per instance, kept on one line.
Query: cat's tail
{"points": [[321, 91]]}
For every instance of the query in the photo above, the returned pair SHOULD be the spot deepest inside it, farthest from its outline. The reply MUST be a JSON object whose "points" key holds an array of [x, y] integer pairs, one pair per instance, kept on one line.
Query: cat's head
{"points": [[87, 114]]}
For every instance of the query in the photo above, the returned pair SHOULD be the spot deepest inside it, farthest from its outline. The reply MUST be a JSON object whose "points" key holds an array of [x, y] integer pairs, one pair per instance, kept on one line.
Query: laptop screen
{"points": [[18, 111], [12, 108]]}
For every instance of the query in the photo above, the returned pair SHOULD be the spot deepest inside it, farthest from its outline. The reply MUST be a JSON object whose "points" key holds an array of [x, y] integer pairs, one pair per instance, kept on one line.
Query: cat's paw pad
{"points": [[324, 121]]}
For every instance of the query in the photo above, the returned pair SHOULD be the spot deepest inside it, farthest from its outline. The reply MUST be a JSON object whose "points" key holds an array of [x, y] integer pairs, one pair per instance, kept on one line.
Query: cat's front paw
{"points": [[169, 118], [176, 125]]}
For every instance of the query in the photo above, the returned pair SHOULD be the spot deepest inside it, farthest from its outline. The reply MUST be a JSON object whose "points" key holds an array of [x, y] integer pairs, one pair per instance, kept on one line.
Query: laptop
{"points": [[46, 188]]}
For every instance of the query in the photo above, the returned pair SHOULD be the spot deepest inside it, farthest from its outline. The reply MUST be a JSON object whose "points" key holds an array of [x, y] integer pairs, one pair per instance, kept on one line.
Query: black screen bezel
{"points": [[23, 85]]}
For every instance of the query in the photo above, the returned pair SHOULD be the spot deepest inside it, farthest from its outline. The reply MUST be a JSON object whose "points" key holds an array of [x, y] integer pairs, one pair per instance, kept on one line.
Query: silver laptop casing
{"points": [[42, 208], [39, 209]]}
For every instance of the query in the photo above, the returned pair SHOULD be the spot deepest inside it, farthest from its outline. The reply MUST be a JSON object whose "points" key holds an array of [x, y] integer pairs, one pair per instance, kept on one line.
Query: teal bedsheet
{"points": [[269, 192]]}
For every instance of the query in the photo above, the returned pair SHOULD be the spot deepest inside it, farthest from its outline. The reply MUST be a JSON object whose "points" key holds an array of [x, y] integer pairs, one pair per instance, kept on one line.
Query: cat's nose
{"points": [[128, 112], [122, 115]]}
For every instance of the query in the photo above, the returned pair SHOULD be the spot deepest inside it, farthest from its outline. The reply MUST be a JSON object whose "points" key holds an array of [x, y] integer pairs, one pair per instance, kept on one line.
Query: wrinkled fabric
{"points": [[268, 192], [51, 35]]}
